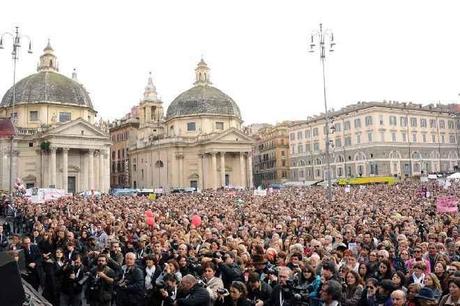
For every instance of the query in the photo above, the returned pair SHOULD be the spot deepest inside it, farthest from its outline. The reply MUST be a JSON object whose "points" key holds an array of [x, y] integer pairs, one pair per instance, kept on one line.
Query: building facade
{"points": [[199, 143], [271, 155], [57, 143], [377, 138]]}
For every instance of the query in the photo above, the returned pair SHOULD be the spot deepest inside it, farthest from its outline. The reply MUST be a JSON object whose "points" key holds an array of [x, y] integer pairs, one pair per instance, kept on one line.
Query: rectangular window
{"points": [[292, 150], [369, 137], [433, 123], [452, 139], [393, 137], [315, 132], [347, 141], [424, 137], [299, 135], [307, 147], [316, 146], [413, 122], [368, 120], [358, 139], [191, 126], [442, 124], [403, 121], [382, 136], [299, 148], [307, 134], [292, 136], [404, 139], [414, 137], [442, 139], [33, 115], [283, 153], [393, 120], [423, 123], [450, 124], [357, 123], [338, 142], [219, 125], [346, 125], [338, 127], [65, 116], [433, 138]]}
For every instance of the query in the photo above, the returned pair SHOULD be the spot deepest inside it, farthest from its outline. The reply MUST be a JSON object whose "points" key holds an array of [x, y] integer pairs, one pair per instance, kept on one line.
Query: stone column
{"points": [[65, 167], [91, 169], [52, 174], [106, 170], [101, 171], [250, 183], [214, 170], [200, 171], [222, 168], [242, 172], [181, 170], [6, 171]]}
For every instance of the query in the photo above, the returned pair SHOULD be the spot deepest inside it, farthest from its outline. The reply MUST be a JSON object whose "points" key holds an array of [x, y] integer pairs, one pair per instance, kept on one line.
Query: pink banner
{"points": [[446, 205]]}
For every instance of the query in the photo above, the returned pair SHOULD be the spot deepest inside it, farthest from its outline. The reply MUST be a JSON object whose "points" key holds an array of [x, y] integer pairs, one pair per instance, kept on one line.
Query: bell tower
{"points": [[48, 61], [202, 74]]}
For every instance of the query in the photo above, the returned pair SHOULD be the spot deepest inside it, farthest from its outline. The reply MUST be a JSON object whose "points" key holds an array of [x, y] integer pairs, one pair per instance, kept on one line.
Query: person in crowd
{"points": [[130, 288], [412, 290], [73, 279], [237, 296], [3, 239], [399, 280], [53, 270], [453, 298], [151, 273], [190, 293], [213, 283], [432, 282], [425, 297], [100, 283], [353, 289], [331, 293], [167, 292], [398, 298], [259, 292]]}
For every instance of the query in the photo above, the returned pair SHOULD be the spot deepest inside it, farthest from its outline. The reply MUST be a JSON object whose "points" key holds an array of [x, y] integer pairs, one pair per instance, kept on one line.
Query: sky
{"points": [[257, 51]]}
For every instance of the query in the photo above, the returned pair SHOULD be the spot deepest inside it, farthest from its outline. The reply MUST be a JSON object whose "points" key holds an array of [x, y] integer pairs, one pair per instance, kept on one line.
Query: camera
{"points": [[222, 291], [271, 270], [160, 284], [295, 292]]}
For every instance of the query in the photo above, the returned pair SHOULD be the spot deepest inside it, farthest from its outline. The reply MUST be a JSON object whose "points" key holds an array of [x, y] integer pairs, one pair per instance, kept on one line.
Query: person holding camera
{"points": [[167, 289], [100, 283], [191, 293], [259, 292], [74, 277], [131, 287], [212, 282], [229, 269], [281, 294]]}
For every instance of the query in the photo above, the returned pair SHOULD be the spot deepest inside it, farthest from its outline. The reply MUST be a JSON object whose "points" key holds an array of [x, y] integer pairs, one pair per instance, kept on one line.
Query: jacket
{"points": [[197, 296], [263, 293], [131, 287]]}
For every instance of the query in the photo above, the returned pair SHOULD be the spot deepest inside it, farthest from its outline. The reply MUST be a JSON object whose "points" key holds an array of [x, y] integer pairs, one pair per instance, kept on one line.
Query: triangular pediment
{"points": [[232, 135], [76, 128]]}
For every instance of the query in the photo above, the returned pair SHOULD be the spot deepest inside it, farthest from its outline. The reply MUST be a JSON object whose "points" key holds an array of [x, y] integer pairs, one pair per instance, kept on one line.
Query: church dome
{"points": [[48, 86], [203, 99]]}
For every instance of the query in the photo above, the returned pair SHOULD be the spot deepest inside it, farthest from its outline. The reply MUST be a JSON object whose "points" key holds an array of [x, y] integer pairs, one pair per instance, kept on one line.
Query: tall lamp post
{"points": [[321, 38], [17, 38]]}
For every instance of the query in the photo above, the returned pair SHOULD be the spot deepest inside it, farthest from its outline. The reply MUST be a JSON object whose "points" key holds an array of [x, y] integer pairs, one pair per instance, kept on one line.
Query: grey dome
{"points": [[203, 99], [48, 86]]}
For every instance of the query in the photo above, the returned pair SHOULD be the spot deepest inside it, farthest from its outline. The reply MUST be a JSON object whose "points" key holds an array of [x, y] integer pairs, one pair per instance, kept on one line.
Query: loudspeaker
{"points": [[11, 289]]}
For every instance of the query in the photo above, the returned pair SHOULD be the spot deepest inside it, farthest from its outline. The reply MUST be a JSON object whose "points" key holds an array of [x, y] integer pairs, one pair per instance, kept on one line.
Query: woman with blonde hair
{"points": [[431, 281]]}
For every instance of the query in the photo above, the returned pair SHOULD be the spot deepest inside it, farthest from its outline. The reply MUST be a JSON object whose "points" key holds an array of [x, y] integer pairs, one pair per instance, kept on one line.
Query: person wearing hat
{"points": [[259, 292], [425, 297]]}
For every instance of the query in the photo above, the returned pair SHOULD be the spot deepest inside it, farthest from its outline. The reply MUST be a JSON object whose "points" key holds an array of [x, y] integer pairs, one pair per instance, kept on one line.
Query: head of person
{"points": [[363, 270], [412, 290], [385, 268], [419, 268], [209, 270], [352, 278], [284, 274], [238, 291], [372, 286], [182, 249], [130, 259], [150, 261], [170, 280], [440, 268], [385, 287], [398, 279], [253, 280], [229, 258], [308, 272], [454, 287], [398, 297], [101, 261], [329, 270], [187, 282], [432, 281], [331, 291]]}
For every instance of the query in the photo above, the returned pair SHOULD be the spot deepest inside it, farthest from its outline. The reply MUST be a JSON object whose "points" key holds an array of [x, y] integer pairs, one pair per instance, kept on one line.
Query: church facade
{"points": [[199, 143], [57, 141]]}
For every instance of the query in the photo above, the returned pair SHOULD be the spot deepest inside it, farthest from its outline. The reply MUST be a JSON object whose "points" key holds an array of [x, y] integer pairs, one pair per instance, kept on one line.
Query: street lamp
{"points": [[17, 38], [321, 38]]}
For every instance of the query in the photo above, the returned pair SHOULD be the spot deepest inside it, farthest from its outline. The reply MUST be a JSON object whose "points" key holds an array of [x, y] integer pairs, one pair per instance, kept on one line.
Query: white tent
{"points": [[454, 176]]}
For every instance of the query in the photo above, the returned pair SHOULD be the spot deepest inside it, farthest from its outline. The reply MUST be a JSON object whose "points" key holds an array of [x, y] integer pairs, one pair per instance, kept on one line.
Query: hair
{"points": [[455, 280], [420, 265], [402, 277], [308, 268], [388, 273], [359, 280], [174, 263], [209, 265], [334, 289], [435, 279], [241, 287]]}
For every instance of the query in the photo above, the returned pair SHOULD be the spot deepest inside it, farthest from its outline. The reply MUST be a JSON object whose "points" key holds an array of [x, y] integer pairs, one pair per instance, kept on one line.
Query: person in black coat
{"points": [[281, 295], [100, 283], [33, 260], [229, 270], [191, 293], [73, 278], [3, 240], [259, 292], [131, 289]]}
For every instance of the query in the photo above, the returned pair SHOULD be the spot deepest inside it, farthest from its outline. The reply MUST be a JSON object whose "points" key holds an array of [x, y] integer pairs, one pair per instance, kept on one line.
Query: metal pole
{"points": [[12, 118]]}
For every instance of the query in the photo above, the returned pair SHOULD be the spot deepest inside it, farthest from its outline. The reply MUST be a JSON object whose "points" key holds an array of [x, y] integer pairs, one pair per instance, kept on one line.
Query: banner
{"points": [[446, 205], [261, 193]]}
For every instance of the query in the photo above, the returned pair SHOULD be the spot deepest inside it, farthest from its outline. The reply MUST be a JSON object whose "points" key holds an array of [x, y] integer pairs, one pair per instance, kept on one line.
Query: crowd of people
{"points": [[378, 245]]}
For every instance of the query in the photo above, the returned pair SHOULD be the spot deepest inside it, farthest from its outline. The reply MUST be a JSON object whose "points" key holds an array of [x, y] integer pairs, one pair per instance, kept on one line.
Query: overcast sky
{"points": [[257, 51]]}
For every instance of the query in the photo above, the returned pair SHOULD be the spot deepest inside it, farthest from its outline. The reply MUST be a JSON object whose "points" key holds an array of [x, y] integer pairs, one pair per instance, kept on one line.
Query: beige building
{"points": [[199, 143], [271, 155], [57, 142], [377, 138]]}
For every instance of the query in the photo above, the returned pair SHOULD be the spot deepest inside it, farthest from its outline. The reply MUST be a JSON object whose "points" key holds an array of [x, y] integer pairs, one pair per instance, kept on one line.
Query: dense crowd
{"points": [[378, 245]]}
